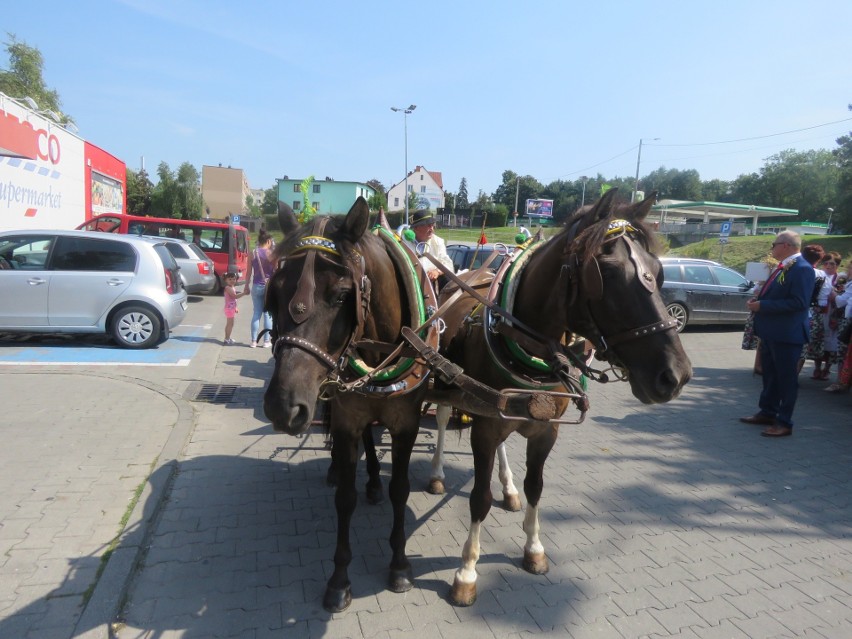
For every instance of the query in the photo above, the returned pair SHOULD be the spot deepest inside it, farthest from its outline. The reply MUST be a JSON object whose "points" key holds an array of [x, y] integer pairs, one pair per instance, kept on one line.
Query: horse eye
{"points": [[341, 298]]}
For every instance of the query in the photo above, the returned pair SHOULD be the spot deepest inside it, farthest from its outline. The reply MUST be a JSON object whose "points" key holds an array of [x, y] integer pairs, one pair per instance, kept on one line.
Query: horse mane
{"points": [[588, 242]]}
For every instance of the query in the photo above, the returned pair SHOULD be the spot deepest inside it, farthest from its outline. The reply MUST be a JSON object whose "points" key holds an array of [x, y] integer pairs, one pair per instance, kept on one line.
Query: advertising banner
{"points": [[541, 208]]}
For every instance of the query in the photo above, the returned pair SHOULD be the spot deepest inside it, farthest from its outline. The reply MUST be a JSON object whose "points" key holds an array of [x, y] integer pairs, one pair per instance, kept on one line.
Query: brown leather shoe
{"points": [[777, 430], [758, 420]]}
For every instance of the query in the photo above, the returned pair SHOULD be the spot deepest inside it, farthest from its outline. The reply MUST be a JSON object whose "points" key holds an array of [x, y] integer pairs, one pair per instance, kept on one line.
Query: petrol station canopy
{"points": [[707, 212]]}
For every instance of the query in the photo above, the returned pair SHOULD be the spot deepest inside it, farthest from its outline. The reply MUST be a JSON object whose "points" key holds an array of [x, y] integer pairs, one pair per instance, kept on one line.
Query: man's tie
{"points": [[770, 279]]}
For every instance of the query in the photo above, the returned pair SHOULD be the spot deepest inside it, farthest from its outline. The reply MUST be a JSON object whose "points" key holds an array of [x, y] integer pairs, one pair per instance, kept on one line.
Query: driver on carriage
{"points": [[423, 225]]}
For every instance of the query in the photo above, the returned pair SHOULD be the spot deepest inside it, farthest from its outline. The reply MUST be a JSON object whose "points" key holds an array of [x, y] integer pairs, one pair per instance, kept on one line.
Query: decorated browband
{"points": [[317, 243], [619, 227]]}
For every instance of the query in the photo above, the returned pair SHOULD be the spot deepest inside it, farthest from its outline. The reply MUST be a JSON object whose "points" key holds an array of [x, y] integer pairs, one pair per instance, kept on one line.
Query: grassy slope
{"points": [[735, 253], [740, 250]]}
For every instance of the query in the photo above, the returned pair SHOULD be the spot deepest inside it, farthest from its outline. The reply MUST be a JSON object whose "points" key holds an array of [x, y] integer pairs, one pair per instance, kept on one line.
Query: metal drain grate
{"points": [[216, 393]]}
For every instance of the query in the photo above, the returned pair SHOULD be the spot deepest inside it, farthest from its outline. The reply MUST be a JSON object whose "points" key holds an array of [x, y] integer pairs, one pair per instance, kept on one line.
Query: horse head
{"points": [[605, 257], [333, 279]]}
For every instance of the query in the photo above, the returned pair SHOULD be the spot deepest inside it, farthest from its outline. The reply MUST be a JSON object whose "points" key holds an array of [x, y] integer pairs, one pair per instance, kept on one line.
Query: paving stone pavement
{"points": [[658, 521]]}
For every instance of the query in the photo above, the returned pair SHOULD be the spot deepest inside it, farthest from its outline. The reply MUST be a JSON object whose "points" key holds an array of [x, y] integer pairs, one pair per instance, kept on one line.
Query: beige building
{"points": [[224, 190]]}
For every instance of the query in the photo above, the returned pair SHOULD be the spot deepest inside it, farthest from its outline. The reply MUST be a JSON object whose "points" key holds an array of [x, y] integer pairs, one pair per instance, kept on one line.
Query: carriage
{"points": [[353, 314]]}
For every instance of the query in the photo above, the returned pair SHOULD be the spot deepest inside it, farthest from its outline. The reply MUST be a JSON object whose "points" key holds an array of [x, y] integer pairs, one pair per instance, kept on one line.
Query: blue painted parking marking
{"points": [[178, 350]]}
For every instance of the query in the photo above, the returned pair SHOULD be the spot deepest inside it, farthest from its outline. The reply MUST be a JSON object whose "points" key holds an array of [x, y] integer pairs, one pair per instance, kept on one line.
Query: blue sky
{"points": [[549, 89]]}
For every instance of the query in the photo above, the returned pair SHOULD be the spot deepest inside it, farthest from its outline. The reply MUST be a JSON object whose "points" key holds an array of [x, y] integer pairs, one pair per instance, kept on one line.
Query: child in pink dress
{"points": [[231, 309]]}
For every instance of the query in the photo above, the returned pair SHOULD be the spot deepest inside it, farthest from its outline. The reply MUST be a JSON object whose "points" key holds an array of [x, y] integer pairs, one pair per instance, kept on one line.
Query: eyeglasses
{"points": [[774, 244]]}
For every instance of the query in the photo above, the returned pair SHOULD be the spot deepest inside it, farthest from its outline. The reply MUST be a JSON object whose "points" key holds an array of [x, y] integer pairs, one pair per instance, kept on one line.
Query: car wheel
{"points": [[136, 327], [679, 313]]}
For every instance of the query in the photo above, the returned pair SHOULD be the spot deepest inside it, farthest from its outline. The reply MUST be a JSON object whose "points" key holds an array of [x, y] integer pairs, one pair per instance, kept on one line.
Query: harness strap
{"points": [[307, 346], [302, 304], [450, 373], [642, 331], [531, 334]]}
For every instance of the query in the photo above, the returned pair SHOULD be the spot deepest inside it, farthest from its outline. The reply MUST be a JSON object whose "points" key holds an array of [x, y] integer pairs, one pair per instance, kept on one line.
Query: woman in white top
{"points": [[828, 309], [844, 301]]}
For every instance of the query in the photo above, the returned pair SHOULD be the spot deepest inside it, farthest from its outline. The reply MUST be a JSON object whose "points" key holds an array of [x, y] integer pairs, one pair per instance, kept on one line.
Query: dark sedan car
{"points": [[467, 257], [704, 292]]}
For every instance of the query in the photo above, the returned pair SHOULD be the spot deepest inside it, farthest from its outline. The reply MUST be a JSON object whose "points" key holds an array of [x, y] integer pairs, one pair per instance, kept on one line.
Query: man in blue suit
{"points": [[781, 322]]}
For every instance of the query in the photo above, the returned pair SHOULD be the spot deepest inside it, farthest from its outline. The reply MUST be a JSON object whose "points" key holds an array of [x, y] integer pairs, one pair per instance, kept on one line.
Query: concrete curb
{"points": [[113, 584]]}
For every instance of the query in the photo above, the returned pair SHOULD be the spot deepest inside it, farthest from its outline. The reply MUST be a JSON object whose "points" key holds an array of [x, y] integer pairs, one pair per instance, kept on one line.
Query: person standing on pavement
{"points": [[781, 322], [423, 225], [260, 269], [231, 296]]}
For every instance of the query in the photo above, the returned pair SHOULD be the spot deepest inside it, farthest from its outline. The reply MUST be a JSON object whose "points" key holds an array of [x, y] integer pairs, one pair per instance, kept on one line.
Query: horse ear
{"points": [[286, 218], [640, 210], [603, 208], [355, 224]]}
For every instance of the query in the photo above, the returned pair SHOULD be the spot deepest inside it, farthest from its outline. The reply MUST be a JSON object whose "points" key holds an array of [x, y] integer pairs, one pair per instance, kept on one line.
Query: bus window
{"points": [[104, 224]]}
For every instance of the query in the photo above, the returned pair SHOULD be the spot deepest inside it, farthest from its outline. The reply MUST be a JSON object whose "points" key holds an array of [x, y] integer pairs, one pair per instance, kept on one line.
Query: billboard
{"points": [[543, 208]]}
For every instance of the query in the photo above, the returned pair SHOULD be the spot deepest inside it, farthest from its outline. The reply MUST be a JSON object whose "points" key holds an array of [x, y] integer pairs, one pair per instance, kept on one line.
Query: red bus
{"points": [[211, 237]]}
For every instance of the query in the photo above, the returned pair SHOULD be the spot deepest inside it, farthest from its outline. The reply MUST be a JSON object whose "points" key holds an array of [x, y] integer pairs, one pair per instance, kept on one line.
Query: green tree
{"points": [[716, 191], [461, 198], [523, 187], [377, 186], [24, 78], [803, 180], [177, 195], [378, 200], [842, 217], [414, 201], [270, 201], [139, 190], [252, 207]]}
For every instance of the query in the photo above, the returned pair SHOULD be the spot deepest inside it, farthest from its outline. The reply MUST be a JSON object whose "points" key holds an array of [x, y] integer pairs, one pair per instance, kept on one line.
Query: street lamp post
{"points": [[638, 159], [405, 113], [583, 199], [517, 189]]}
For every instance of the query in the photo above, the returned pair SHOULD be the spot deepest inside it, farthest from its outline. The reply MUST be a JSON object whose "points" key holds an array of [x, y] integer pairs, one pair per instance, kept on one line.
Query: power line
{"points": [[758, 137]]}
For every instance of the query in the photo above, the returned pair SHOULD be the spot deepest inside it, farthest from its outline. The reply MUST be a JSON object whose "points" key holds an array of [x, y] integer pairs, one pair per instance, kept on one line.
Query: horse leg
{"points": [[331, 473], [436, 481], [511, 500], [374, 481], [338, 592], [400, 578], [483, 444], [538, 448]]}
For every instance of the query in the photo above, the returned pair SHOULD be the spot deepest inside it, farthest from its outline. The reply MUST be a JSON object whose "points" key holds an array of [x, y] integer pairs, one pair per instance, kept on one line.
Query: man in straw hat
{"points": [[423, 225]]}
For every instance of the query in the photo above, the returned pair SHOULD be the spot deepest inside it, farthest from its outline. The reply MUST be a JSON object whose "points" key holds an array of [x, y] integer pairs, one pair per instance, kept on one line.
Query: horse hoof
{"points": [[400, 580], [436, 487], [337, 599], [512, 503], [375, 495], [463, 594], [535, 563]]}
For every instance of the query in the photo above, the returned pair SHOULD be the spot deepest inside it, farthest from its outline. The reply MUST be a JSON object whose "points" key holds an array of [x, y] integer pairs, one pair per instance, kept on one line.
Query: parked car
{"points": [[197, 271], [467, 257], [704, 292], [81, 282]]}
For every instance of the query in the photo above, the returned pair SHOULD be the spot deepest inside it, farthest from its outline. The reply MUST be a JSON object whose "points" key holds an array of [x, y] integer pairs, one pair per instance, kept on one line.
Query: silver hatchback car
{"points": [[55, 281], [197, 272]]}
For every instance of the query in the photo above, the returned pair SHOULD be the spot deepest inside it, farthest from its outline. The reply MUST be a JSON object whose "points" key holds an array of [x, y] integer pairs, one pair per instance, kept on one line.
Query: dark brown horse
{"points": [[339, 284], [598, 278]]}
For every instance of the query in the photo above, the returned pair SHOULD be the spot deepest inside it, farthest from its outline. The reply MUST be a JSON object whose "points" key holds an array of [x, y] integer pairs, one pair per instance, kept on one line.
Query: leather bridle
{"points": [[312, 247], [587, 274]]}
